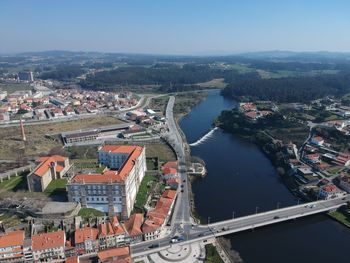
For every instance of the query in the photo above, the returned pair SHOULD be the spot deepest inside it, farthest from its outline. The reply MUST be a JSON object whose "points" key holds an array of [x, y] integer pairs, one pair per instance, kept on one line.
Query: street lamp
{"points": [[298, 201], [256, 209], [208, 220], [233, 214]]}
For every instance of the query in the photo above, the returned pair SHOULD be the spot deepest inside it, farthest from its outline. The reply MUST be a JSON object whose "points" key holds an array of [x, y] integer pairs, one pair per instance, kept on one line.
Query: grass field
{"points": [[10, 88], [15, 183], [89, 212], [162, 151], [341, 217], [56, 187], [212, 256], [143, 192], [11, 144]]}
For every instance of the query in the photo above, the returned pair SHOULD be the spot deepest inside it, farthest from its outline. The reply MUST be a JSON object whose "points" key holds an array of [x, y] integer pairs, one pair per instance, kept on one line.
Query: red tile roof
{"points": [[112, 176], [10, 239], [169, 170], [330, 188], [170, 165], [119, 255], [74, 259], [133, 224], [169, 194], [85, 233], [48, 240], [45, 163]]}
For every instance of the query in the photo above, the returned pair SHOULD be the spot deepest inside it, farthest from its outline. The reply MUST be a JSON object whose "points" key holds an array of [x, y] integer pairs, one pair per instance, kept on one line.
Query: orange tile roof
{"points": [[169, 194], [82, 234], [112, 176], [45, 163], [133, 224], [120, 254], [48, 240], [118, 148], [74, 259], [251, 114], [169, 170], [170, 165], [150, 226], [10, 239], [330, 188]]}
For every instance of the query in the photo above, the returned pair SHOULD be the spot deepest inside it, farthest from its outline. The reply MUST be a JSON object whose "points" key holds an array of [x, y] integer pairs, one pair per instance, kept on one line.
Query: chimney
{"points": [[53, 170], [22, 131]]}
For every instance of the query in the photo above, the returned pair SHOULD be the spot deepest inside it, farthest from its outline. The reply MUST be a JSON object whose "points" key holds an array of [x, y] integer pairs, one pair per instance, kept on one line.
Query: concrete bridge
{"points": [[200, 233], [275, 216]]}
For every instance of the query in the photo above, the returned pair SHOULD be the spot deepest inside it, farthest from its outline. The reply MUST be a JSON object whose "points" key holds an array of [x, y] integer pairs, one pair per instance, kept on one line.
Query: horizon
{"points": [[174, 28]]}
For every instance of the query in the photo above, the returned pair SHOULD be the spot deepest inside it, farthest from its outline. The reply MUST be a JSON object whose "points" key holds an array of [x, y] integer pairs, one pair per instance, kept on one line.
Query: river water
{"points": [[240, 181]]}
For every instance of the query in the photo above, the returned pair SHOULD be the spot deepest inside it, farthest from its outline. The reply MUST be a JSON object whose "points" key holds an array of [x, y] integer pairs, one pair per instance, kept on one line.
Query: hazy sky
{"points": [[174, 26]]}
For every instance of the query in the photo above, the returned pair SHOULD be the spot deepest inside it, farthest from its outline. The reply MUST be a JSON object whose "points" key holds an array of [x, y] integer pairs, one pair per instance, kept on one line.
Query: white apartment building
{"points": [[114, 191]]}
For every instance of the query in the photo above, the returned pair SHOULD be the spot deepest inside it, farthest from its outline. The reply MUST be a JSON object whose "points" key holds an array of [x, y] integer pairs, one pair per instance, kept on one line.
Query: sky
{"points": [[174, 26]]}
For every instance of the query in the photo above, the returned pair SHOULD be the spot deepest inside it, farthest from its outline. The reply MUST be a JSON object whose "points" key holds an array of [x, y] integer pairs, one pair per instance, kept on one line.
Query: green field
{"points": [[56, 187], [341, 217], [143, 192], [10, 88], [15, 183], [90, 212], [212, 255]]}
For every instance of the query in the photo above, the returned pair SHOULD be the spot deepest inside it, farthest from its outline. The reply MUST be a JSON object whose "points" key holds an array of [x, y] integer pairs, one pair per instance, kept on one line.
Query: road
{"points": [[198, 233]]}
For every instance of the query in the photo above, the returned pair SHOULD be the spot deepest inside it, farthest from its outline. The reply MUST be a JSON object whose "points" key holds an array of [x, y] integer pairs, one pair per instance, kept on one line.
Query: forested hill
{"points": [[300, 89]]}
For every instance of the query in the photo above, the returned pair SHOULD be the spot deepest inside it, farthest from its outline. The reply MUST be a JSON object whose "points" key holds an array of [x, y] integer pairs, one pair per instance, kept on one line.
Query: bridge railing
{"points": [[321, 202]]}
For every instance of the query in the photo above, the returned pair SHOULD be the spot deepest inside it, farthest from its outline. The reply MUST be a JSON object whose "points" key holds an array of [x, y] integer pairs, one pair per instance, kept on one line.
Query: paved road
{"points": [[198, 233]]}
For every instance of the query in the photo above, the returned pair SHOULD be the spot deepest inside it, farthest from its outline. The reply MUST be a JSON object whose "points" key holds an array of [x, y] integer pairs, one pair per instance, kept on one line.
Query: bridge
{"points": [[199, 233]]}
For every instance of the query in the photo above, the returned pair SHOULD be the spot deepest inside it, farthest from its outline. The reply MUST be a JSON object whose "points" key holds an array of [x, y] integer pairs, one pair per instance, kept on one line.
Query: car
{"points": [[173, 240], [180, 239], [182, 186], [184, 180], [182, 191], [201, 234], [276, 217], [154, 246]]}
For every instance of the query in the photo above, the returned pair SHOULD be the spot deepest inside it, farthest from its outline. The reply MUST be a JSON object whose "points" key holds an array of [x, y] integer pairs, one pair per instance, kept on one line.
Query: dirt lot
{"points": [[12, 147]]}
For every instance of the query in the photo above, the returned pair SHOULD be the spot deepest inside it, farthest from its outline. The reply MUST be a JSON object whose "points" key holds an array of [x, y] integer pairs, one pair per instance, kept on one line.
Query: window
{"points": [[87, 199]]}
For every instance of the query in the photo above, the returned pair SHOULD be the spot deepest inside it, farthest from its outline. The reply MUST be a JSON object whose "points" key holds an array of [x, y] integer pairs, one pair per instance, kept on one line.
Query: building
{"points": [[133, 228], [115, 255], [86, 240], [111, 234], [49, 168], [48, 247], [82, 136], [330, 191], [158, 217], [26, 76], [317, 140], [344, 183], [113, 191], [11, 247]]}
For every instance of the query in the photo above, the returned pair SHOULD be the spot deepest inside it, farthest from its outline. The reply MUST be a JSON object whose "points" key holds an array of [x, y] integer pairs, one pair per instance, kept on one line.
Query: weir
{"points": [[204, 138]]}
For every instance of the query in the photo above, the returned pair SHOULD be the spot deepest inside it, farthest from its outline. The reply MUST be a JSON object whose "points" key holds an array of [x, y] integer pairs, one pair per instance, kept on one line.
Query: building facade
{"points": [[114, 191], [11, 247], [49, 247], [49, 168]]}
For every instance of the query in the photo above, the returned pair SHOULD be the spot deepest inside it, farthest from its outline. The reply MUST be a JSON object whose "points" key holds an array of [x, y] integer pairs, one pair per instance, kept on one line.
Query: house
{"points": [[168, 173], [330, 191], [312, 158], [248, 106], [86, 240], [317, 140], [49, 168], [158, 217], [115, 255], [113, 191], [11, 246], [253, 115], [49, 246], [111, 233], [344, 183], [133, 228]]}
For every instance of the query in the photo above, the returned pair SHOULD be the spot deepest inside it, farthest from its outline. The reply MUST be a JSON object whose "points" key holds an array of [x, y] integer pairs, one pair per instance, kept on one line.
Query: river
{"points": [[240, 181]]}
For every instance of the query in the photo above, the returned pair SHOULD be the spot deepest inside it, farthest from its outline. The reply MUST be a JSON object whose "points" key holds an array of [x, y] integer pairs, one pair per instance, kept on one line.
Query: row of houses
{"points": [[54, 247]]}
